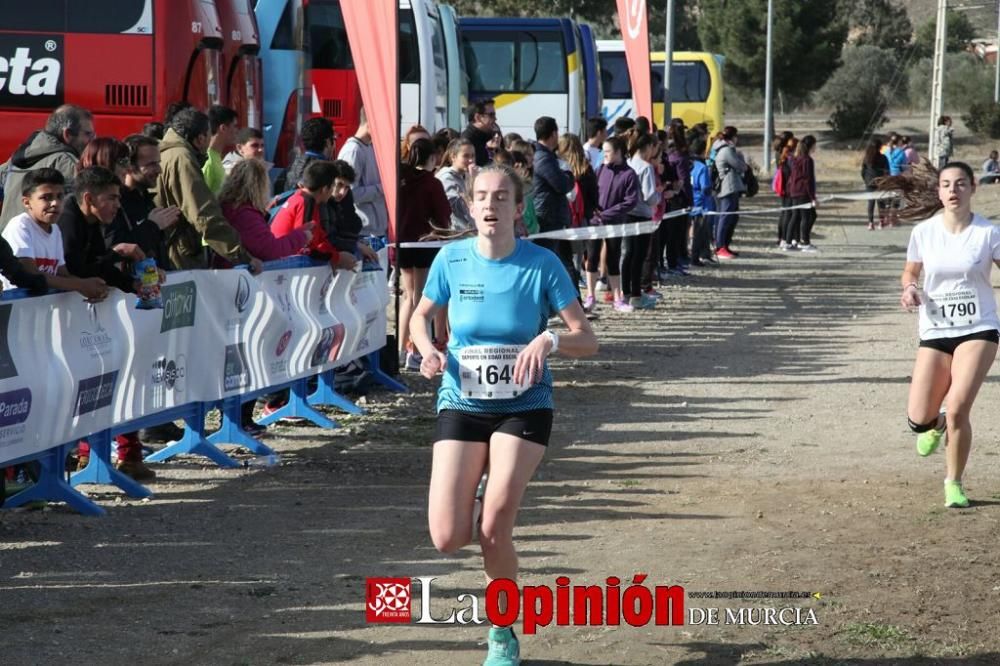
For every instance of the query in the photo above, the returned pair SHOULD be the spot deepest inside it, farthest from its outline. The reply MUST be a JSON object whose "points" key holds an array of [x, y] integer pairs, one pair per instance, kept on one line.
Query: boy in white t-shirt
{"points": [[36, 240]]}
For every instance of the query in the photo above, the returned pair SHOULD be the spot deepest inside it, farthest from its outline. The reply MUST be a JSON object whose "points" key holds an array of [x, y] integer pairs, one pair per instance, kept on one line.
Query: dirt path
{"points": [[747, 435]]}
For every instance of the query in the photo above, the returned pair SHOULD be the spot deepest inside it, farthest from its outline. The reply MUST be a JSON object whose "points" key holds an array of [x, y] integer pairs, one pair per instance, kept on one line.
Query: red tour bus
{"points": [[241, 68], [124, 60]]}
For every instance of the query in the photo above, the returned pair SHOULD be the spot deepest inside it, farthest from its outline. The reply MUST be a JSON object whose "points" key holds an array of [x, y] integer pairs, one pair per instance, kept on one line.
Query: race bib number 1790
{"points": [[486, 372], [958, 307]]}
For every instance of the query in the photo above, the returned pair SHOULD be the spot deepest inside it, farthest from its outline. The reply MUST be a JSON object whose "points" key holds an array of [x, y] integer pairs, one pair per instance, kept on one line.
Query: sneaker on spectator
{"points": [[588, 303], [663, 274], [652, 293], [161, 434], [272, 408], [680, 271], [254, 429], [646, 302], [602, 284], [413, 361], [622, 306], [609, 297], [808, 248], [723, 253], [784, 246]]}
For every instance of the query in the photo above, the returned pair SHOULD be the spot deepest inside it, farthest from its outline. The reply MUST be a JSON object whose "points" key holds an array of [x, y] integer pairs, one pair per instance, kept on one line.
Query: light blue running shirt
{"points": [[496, 302]]}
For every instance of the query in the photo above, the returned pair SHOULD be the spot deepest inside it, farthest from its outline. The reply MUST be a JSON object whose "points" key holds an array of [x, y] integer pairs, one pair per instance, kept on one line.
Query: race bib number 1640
{"points": [[486, 372]]}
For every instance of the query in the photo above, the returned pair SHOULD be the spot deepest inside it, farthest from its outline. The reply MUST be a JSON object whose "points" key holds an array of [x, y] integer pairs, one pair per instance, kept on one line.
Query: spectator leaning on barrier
{"points": [[148, 221], [731, 167], [342, 223], [303, 208], [318, 139], [481, 127], [223, 123], [182, 184], [249, 145], [67, 132], [369, 198], [461, 159], [37, 241], [244, 198]]}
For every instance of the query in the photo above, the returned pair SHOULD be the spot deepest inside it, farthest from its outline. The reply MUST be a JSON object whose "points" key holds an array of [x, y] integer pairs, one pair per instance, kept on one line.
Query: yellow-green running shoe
{"points": [[927, 442], [954, 496]]}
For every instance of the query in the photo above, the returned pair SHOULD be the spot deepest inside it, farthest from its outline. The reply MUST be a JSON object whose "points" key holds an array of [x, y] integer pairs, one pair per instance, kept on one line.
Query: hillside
{"points": [[983, 18]]}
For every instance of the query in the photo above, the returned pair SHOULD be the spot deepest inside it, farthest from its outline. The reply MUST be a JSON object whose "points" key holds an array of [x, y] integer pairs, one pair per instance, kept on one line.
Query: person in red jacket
{"points": [[244, 198], [424, 200], [304, 207]]}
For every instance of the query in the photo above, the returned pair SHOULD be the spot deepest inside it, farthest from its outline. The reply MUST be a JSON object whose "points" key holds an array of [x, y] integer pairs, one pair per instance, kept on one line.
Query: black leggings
{"points": [[785, 219], [676, 235], [801, 224], [564, 250], [635, 249], [613, 258]]}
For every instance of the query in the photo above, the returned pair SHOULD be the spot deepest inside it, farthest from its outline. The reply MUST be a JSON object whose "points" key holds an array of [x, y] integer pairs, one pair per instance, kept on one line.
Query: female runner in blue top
{"points": [[495, 401]]}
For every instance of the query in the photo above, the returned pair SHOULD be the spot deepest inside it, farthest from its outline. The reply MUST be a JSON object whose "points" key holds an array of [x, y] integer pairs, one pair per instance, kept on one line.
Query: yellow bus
{"points": [[697, 92]]}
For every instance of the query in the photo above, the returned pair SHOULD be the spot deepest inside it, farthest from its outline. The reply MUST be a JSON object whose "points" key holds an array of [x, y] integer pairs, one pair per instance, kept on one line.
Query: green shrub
{"points": [[984, 118], [860, 89]]}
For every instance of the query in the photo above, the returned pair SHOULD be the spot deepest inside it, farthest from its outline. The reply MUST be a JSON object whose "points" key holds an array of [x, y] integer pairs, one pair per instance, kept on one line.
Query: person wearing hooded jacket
{"points": [[731, 167], [181, 184], [461, 159], [67, 132]]}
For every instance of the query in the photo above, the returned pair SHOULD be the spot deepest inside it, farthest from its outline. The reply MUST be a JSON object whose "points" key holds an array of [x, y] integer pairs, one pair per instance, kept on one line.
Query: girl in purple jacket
{"points": [[618, 193]]}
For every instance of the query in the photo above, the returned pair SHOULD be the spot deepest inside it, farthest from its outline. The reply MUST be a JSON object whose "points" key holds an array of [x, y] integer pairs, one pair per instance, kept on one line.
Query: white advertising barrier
{"points": [[69, 368]]}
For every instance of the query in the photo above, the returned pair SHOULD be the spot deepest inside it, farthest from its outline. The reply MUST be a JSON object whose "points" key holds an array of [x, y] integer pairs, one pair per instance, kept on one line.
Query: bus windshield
{"points": [[691, 80], [505, 61], [100, 16], [328, 46]]}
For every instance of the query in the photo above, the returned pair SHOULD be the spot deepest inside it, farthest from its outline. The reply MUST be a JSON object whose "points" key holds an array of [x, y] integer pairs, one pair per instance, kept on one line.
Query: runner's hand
{"points": [[910, 298], [530, 363], [433, 364]]}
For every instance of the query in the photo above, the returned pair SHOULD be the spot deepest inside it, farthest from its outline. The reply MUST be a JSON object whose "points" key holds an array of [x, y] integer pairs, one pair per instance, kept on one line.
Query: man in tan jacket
{"points": [[182, 184]]}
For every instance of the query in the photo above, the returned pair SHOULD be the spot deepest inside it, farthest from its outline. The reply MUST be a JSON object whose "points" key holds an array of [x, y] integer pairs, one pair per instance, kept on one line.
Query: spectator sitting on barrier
{"points": [[37, 241], [181, 183], [303, 207], [369, 198], [84, 219], [249, 145], [223, 122], [244, 203], [991, 169], [343, 225], [67, 132]]}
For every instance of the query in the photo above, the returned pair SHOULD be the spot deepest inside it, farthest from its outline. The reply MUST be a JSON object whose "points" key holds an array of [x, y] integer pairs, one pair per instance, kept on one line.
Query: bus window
{"points": [[522, 62], [542, 64], [409, 49], [614, 76], [691, 82], [440, 61], [44, 15], [105, 16], [284, 33], [328, 44]]}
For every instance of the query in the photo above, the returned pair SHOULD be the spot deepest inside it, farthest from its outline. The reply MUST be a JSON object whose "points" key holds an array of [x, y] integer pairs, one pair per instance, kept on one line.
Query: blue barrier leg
{"points": [[298, 406], [100, 471], [194, 442], [232, 432], [385, 380], [326, 395], [52, 486]]}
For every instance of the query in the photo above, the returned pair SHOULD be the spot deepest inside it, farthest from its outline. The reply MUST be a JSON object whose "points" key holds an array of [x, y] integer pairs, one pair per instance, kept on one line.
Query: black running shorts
{"points": [[534, 425], [949, 345]]}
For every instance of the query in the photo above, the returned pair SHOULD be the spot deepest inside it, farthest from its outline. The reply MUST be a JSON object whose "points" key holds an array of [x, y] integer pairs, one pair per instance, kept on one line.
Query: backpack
{"points": [[778, 183], [750, 181], [716, 176], [278, 202]]}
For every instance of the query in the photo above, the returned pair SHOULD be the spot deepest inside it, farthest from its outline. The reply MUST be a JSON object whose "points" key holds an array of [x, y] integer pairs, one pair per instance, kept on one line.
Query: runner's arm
{"points": [[434, 362], [910, 297], [579, 342]]}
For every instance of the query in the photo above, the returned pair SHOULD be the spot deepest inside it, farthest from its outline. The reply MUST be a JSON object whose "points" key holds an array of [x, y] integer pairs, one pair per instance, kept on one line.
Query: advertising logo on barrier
{"points": [[95, 393], [14, 407], [95, 339], [387, 600], [235, 374], [283, 341], [178, 305], [242, 298], [32, 71], [328, 347], [7, 367], [170, 373], [323, 291]]}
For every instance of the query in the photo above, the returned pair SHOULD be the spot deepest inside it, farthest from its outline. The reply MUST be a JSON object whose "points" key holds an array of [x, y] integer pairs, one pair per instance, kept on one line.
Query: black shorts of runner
{"points": [[417, 257], [949, 345], [534, 425]]}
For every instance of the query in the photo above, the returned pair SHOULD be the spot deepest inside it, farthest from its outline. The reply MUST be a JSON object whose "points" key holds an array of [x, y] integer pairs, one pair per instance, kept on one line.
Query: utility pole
{"points": [[937, 85], [768, 107], [996, 80], [668, 62]]}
